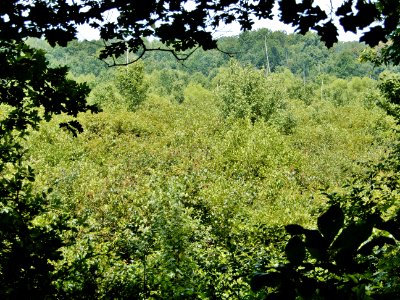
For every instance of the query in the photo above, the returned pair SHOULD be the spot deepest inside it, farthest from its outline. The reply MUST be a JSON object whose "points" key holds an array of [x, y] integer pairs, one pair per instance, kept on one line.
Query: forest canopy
{"points": [[188, 185], [181, 26]]}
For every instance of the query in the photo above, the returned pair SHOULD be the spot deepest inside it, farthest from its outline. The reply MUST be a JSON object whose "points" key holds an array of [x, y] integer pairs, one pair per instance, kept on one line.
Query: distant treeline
{"points": [[304, 55]]}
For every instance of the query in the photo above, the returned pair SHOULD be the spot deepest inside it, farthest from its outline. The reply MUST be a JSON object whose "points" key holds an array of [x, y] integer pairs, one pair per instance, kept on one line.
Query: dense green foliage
{"points": [[247, 93], [173, 196], [30, 231], [182, 188], [304, 56], [337, 260], [131, 84], [354, 252], [188, 194]]}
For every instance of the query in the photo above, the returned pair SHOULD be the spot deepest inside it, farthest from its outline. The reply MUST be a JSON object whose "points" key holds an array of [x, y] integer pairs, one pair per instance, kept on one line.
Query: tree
{"points": [[247, 93], [339, 260], [30, 91], [184, 26], [353, 253], [131, 84]]}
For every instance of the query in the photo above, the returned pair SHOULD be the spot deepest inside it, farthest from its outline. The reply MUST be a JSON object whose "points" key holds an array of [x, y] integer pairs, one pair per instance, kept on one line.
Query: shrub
{"points": [[247, 93], [132, 84]]}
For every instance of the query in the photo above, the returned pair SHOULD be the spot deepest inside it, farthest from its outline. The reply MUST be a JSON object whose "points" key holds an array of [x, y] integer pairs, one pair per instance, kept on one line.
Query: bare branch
{"points": [[178, 56], [230, 54]]}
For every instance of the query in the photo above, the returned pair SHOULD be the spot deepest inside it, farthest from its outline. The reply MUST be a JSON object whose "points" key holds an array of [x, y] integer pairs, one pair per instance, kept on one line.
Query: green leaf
{"points": [[331, 222]]}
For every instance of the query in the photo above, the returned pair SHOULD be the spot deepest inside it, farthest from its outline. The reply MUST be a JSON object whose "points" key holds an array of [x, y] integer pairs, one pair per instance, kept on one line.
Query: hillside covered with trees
{"points": [[260, 166], [182, 186]]}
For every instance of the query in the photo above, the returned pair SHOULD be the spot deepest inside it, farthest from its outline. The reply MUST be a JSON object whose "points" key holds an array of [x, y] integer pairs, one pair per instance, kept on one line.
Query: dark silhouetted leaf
{"points": [[316, 244], [72, 126], [367, 13], [288, 11], [295, 250], [392, 226], [348, 23], [345, 8], [374, 36], [308, 287], [261, 280], [379, 241], [353, 236], [330, 222], [294, 229], [344, 259], [328, 33]]}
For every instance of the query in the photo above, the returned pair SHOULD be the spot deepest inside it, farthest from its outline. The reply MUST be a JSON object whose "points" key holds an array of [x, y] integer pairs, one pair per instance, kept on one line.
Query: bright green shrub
{"points": [[131, 83], [389, 85], [176, 201], [344, 91], [247, 93], [326, 133]]}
